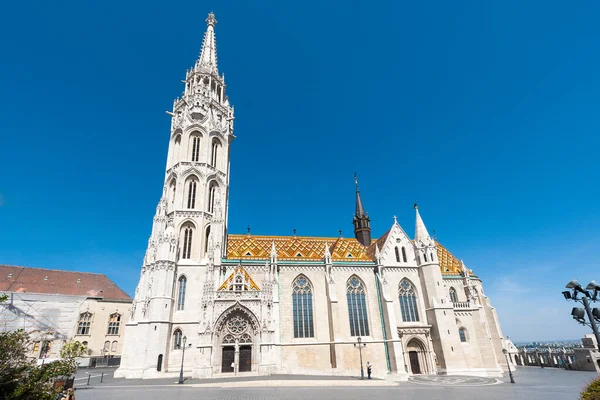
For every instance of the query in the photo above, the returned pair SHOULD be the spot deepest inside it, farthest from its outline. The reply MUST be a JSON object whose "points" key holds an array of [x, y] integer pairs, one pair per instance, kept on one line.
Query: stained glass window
{"points": [[357, 307], [181, 293], [453, 295], [408, 301], [302, 308]]}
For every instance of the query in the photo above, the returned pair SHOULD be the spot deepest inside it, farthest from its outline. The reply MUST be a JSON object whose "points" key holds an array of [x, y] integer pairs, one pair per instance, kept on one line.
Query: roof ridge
{"points": [[52, 269]]}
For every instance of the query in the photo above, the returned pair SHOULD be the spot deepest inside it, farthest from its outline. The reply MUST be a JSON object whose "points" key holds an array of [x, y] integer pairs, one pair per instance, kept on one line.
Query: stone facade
{"points": [[56, 307], [273, 304]]}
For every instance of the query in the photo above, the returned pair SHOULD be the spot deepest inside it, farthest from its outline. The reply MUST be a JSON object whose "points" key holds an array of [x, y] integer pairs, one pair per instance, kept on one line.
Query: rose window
{"points": [[237, 325]]}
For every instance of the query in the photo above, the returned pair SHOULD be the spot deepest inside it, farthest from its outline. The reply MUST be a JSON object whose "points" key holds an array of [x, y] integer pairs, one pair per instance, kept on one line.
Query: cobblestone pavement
{"points": [[532, 384]]}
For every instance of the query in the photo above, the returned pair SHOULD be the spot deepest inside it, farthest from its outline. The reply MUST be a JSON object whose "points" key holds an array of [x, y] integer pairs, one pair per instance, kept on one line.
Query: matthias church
{"points": [[248, 304]]}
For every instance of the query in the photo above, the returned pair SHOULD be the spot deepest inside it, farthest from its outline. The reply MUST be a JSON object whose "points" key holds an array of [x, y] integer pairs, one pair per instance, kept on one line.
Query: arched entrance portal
{"points": [[236, 334], [417, 357]]}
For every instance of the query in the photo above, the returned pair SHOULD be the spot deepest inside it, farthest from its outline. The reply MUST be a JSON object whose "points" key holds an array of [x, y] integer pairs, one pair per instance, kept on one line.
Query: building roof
{"points": [[51, 281], [297, 248], [308, 248], [449, 264]]}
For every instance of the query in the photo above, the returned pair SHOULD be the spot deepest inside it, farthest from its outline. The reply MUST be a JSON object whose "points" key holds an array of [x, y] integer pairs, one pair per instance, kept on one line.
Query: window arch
{"points": [[462, 332], [212, 191], [215, 149], [397, 254], [192, 184], [302, 308], [206, 237], [187, 232], [106, 347], [113, 346], [357, 307], [181, 292], [172, 189], [425, 255], [404, 254], [114, 323], [85, 321], [408, 301], [177, 339], [196, 140], [453, 295]]}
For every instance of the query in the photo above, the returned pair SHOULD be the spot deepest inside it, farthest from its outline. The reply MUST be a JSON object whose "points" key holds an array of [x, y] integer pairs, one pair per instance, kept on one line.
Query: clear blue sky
{"points": [[484, 112]]}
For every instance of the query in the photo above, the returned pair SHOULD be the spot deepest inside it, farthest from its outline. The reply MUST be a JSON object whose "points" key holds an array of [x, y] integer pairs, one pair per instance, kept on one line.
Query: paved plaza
{"points": [[532, 384]]}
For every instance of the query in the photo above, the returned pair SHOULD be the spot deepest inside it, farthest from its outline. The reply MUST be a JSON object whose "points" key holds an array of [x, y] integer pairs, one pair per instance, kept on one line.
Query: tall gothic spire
{"points": [[208, 55], [362, 223], [421, 235]]}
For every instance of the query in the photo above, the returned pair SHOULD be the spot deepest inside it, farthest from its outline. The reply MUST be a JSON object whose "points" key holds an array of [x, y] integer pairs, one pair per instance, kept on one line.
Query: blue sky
{"points": [[484, 112]]}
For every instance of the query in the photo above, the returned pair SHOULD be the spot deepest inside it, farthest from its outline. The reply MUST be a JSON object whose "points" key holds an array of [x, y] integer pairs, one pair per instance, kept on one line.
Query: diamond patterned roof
{"points": [[449, 264], [301, 248], [307, 248]]}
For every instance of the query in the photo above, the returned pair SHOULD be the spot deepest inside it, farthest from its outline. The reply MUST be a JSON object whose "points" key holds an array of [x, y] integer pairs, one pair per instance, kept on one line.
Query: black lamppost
{"points": [[579, 313], [360, 346], [512, 379], [182, 357]]}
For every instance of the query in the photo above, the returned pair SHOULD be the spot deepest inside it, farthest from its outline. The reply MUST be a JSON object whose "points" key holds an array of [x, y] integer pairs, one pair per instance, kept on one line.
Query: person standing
{"points": [[369, 369]]}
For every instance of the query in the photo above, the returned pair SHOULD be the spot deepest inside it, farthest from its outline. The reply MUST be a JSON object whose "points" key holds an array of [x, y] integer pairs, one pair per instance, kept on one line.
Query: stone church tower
{"points": [[190, 224]]}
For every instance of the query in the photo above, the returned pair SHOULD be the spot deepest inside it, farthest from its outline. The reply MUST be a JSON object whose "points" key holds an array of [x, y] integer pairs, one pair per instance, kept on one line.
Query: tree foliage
{"points": [[20, 376], [592, 392]]}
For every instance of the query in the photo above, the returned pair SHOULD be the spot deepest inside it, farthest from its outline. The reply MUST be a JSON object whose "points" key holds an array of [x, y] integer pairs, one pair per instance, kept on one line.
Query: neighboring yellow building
{"points": [[59, 306]]}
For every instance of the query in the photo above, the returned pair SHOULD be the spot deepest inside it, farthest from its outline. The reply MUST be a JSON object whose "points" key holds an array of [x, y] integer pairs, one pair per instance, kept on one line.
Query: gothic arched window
{"points": [[85, 321], [357, 307], [191, 195], [408, 301], [425, 256], [181, 293], [186, 251], [114, 323], [463, 334], [302, 308], [453, 295], [196, 139], [215, 152], [177, 339], [212, 190], [397, 254], [206, 237], [404, 254], [172, 188]]}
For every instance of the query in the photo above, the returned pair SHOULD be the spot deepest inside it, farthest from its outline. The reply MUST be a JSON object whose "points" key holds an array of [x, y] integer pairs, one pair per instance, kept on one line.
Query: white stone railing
{"points": [[461, 305], [244, 295]]}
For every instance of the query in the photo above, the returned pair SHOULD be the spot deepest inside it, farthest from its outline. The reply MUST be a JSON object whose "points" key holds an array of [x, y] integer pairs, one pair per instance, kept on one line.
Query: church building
{"points": [[248, 304]]}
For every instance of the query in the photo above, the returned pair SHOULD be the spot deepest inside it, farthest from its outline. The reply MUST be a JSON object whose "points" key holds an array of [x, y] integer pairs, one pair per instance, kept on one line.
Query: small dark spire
{"points": [[340, 232], [362, 223], [248, 229], [294, 232], [416, 207]]}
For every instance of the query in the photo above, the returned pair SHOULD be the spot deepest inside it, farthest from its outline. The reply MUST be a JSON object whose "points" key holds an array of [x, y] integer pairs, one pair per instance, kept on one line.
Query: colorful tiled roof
{"points": [[300, 248], [307, 248], [449, 264], [50, 281]]}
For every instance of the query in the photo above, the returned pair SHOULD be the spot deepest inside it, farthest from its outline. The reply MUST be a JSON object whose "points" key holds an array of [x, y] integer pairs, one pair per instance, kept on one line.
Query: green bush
{"points": [[592, 392]]}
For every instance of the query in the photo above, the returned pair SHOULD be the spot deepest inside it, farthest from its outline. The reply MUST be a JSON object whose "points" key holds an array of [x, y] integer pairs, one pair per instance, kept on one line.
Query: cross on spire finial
{"points": [[416, 206], [211, 20]]}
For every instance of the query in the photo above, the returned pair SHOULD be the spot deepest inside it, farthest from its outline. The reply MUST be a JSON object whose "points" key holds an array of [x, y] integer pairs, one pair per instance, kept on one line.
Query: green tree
{"points": [[21, 378]]}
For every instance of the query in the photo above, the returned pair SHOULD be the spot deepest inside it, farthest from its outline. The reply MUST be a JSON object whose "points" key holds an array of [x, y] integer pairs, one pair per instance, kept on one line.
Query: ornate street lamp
{"points": [[360, 346], [579, 313], [182, 357], [512, 380]]}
